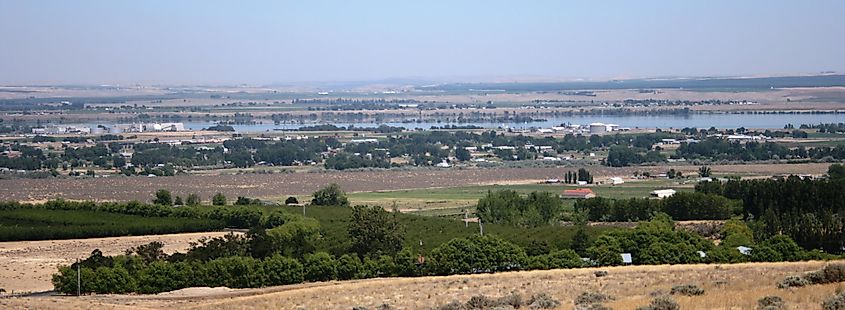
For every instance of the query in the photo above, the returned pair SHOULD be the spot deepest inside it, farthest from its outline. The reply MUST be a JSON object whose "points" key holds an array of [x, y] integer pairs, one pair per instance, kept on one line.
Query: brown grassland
{"points": [[737, 286]]}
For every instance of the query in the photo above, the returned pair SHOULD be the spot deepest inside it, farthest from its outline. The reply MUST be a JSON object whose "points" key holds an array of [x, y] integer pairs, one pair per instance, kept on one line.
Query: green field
{"points": [[433, 231], [46, 224], [453, 201]]}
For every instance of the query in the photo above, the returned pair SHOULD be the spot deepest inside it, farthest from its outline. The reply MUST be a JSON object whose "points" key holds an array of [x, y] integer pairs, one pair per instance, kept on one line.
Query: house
{"points": [[616, 181], [662, 193], [581, 193]]}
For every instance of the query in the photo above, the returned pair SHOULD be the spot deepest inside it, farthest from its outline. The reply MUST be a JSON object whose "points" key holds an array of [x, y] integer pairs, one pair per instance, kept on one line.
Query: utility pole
{"points": [[78, 278], [480, 227]]}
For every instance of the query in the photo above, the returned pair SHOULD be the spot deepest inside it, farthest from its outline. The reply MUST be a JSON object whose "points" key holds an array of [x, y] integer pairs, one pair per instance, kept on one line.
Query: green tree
{"points": [[372, 230], [320, 266], [736, 233], [296, 236], [581, 240], [606, 251], [193, 200], [704, 171], [163, 198], [330, 195], [462, 154], [476, 254], [786, 248], [178, 201], [348, 267], [280, 270], [218, 200], [836, 171]]}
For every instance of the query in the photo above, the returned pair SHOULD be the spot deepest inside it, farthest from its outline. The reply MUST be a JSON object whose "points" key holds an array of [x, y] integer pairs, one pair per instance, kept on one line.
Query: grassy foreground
{"points": [[736, 286]]}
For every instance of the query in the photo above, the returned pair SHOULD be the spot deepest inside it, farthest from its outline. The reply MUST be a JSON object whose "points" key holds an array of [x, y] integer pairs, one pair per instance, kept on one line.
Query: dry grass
{"points": [[727, 287]]}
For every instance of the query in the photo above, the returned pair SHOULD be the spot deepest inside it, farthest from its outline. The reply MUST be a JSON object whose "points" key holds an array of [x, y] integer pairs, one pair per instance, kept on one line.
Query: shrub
{"points": [[771, 303], [480, 302], [831, 273], [835, 302], [600, 273], [687, 290], [291, 200], [587, 298], [543, 301], [662, 303], [513, 300], [793, 281], [454, 305]]}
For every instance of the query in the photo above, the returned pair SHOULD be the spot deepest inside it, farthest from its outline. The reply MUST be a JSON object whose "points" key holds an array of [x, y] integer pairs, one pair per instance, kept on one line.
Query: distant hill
{"points": [[734, 84]]}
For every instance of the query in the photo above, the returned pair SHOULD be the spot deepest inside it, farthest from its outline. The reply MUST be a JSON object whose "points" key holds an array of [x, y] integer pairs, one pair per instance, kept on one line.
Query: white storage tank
{"points": [[598, 128]]}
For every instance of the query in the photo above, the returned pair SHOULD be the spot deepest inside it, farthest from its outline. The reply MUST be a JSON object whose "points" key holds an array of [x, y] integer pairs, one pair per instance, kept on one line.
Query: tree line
{"points": [[809, 211], [233, 261], [681, 206]]}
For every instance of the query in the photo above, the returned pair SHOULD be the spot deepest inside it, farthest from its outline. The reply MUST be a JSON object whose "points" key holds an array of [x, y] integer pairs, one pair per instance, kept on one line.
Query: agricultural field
{"points": [[455, 200], [736, 286], [434, 231], [280, 185], [45, 224]]}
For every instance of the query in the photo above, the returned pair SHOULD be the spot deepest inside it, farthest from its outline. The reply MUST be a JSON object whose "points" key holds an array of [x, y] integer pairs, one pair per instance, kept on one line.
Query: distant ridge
{"points": [[734, 83]]}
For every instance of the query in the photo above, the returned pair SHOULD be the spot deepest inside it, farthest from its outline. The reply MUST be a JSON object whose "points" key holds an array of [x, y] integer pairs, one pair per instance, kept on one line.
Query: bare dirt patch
{"points": [[28, 265]]}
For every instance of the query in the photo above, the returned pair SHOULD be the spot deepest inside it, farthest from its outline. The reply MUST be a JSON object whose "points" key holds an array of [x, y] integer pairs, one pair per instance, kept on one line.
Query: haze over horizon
{"points": [[267, 42]]}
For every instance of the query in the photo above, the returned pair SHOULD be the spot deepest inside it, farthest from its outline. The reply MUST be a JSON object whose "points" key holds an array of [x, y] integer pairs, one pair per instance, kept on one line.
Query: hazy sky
{"points": [[265, 42]]}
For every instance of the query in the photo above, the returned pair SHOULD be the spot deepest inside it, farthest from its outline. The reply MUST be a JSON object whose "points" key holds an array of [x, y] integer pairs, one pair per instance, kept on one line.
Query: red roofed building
{"points": [[581, 193]]}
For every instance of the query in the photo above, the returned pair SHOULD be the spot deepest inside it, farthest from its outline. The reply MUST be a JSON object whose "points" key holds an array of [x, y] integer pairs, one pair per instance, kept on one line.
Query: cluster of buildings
{"points": [[593, 128], [115, 129]]}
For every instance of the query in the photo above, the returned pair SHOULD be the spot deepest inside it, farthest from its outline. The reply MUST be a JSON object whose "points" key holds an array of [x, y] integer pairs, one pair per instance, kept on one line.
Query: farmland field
{"points": [[453, 200], [280, 185], [45, 224], [433, 231]]}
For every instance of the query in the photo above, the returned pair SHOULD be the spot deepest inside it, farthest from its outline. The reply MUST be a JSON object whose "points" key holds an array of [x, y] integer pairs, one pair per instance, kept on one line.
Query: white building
{"points": [[662, 193], [616, 181], [597, 128]]}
